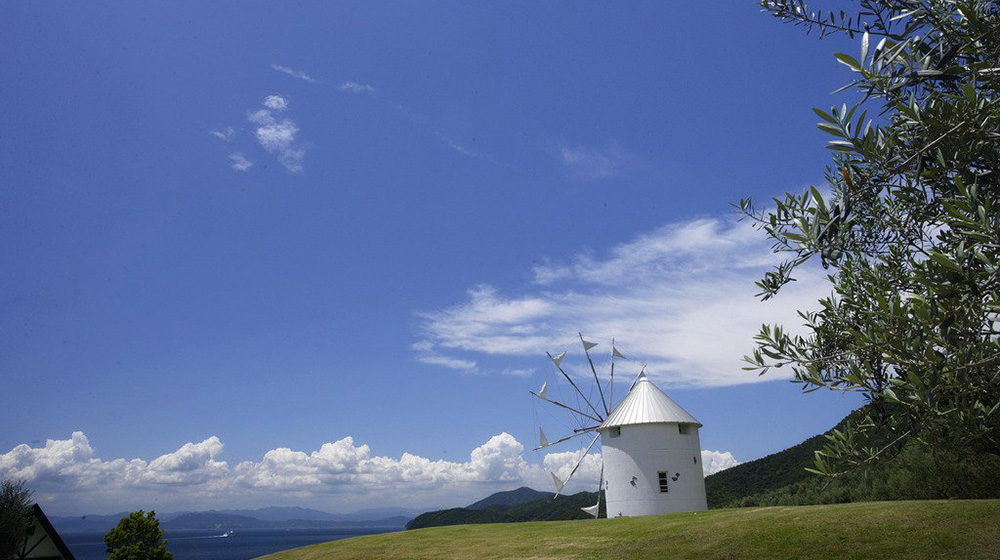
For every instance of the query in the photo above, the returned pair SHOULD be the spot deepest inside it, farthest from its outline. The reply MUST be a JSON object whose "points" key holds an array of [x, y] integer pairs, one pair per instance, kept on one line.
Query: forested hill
{"points": [[511, 498], [544, 509], [766, 474], [913, 472]]}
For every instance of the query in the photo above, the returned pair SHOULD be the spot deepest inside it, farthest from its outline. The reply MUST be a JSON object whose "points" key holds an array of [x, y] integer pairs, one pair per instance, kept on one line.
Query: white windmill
{"points": [[650, 450]]}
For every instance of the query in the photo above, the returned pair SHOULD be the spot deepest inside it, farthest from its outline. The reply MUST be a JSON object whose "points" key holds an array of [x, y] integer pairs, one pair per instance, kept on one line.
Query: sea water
{"points": [[211, 545]]}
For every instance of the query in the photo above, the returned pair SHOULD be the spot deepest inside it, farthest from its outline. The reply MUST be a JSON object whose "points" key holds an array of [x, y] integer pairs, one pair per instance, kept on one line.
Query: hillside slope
{"points": [[544, 509], [762, 475], [913, 530], [510, 498]]}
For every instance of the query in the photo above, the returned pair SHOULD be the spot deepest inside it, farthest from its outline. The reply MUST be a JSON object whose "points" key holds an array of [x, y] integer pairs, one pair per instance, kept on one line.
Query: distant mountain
{"points": [[275, 513], [86, 523], [269, 517], [209, 520], [544, 509], [381, 513], [510, 498]]}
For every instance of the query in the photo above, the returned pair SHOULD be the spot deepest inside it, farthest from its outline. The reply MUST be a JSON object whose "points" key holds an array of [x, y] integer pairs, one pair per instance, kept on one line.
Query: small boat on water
{"points": [[228, 533]]}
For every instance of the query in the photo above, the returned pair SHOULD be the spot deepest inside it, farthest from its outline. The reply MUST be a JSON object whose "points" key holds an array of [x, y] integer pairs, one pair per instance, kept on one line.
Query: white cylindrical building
{"points": [[652, 455]]}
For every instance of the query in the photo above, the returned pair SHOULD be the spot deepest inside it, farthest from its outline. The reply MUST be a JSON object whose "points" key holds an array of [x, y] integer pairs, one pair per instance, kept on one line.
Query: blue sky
{"points": [[233, 233]]}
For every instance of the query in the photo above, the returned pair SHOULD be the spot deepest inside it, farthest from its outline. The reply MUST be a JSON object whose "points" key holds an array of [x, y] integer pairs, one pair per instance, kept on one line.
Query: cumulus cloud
{"points": [[276, 102], [293, 73], [277, 136], [594, 164], [680, 298], [240, 162], [715, 461], [69, 475]]}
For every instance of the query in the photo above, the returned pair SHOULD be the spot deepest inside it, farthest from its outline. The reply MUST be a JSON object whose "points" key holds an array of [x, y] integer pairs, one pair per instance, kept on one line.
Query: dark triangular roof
{"points": [[45, 544]]}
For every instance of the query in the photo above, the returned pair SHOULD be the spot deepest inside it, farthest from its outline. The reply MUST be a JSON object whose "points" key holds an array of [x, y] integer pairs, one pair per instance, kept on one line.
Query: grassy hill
{"points": [[914, 530]]}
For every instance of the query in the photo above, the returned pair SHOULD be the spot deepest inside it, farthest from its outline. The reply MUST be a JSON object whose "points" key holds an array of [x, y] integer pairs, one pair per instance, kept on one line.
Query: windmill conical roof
{"points": [[645, 403]]}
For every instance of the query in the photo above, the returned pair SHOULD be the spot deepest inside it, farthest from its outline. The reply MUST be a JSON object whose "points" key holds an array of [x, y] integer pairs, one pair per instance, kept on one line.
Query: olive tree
{"points": [[15, 518], [137, 537], [907, 226]]}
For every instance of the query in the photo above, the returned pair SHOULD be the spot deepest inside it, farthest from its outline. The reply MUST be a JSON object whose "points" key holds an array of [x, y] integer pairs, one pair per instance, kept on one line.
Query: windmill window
{"points": [[615, 432], [696, 459], [663, 481], [684, 429]]}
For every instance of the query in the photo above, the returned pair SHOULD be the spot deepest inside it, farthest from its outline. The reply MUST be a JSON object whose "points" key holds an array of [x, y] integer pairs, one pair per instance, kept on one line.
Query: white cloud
{"points": [[292, 159], [448, 362], [355, 87], [593, 164], [680, 297], [294, 73], [278, 136], [276, 102], [414, 117], [193, 463], [715, 461], [225, 134], [240, 162], [68, 475], [461, 148]]}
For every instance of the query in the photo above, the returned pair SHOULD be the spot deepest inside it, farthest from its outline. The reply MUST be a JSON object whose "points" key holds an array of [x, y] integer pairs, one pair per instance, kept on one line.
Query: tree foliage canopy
{"points": [[15, 518], [137, 537], [907, 227]]}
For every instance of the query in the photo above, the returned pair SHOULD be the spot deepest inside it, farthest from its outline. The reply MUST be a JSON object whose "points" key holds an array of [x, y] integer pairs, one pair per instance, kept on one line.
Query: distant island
{"points": [[263, 518]]}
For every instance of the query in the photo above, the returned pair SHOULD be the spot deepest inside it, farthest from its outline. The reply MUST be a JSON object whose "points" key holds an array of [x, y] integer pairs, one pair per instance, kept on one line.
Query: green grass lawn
{"points": [[962, 529]]}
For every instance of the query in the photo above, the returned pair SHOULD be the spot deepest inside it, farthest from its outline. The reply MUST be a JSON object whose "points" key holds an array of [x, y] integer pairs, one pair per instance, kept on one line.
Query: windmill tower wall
{"points": [[653, 468], [652, 455]]}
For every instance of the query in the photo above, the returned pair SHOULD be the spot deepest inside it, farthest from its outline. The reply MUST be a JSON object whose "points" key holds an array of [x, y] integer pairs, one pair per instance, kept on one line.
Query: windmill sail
{"points": [[577, 388], [586, 350], [562, 439], [576, 466], [544, 390], [595, 509], [559, 483], [570, 408], [542, 440], [557, 360]]}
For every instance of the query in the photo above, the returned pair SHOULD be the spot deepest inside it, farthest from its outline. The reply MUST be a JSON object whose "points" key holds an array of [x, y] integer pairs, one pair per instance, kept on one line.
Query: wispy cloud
{"points": [[414, 117], [240, 162], [278, 136], [680, 298], [294, 73], [593, 164], [355, 87], [468, 366], [68, 477], [224, 134], [461, 148]]}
